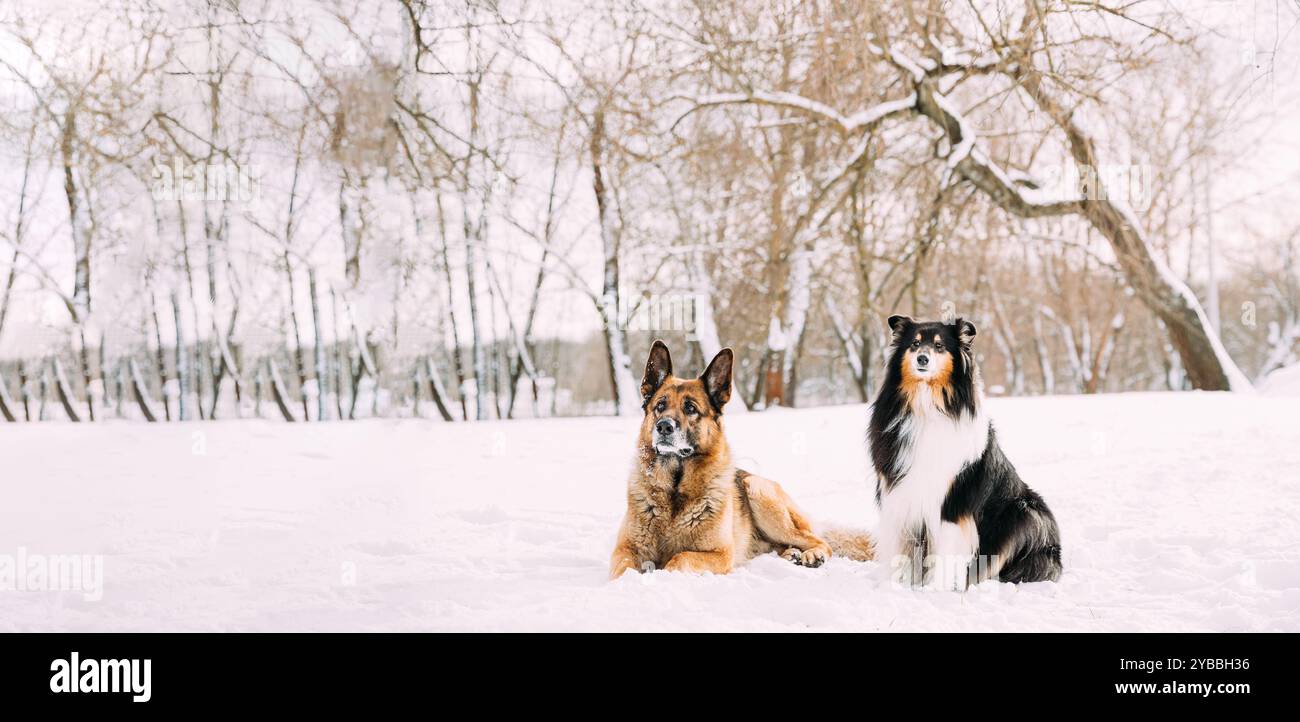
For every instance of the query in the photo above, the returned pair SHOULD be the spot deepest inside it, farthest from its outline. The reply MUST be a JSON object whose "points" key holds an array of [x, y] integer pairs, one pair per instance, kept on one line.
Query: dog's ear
{"points": [[658, 367], [717, 379], [965, 331], [898, 323]]}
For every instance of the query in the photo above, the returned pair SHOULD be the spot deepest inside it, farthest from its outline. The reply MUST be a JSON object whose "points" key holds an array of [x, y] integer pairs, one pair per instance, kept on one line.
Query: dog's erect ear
{"points": [[898, 323], [965, 331], [657, 368], [717, 379]]}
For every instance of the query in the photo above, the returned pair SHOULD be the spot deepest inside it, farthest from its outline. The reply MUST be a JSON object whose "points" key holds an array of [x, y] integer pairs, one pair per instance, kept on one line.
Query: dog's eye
{"points": [[659, 407], [938, 346], [916, 345], [690, 408]]}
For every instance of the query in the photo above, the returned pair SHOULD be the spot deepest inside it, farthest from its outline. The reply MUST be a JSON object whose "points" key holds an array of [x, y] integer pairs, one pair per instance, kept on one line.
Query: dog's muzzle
{"points": [[670, 439]]}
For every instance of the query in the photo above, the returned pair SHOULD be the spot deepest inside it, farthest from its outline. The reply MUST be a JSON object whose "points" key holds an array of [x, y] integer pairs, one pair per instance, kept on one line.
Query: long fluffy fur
{"points": [[953, 509]]}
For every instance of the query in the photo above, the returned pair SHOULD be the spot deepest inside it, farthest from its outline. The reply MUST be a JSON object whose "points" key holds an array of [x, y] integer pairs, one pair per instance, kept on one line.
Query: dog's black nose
{"points": [[664, 427], [922, 360]]}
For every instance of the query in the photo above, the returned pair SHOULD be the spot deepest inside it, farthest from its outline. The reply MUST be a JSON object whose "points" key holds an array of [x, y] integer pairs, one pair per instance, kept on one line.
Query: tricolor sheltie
{"points": [[953, 510]]}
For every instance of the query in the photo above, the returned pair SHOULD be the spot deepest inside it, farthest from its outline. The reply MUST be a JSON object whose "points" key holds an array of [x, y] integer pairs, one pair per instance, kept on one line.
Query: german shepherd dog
{"points": [[953, 510], [688, 508]]}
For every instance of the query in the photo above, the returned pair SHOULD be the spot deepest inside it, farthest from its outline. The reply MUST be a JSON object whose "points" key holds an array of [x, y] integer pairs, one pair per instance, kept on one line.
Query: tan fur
{"points": [[968, 531], [698, 514], [851, 544], [938, 385]]}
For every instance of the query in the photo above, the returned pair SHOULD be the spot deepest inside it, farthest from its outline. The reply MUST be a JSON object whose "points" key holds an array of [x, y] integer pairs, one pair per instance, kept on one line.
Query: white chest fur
{"points": [[935, 448]]}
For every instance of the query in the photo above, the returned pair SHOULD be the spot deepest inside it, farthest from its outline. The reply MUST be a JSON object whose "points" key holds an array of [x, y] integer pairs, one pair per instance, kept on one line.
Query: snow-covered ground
{"points": [[1283, 382], [1178, 512]]}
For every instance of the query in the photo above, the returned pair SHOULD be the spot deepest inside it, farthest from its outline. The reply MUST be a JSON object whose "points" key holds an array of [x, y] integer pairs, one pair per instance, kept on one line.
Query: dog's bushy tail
{"points": [[852, 544]]}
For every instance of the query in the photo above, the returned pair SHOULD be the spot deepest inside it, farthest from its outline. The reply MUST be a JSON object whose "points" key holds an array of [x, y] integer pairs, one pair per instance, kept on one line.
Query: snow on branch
{"points": [[847, 124], [873, 115], [975, 165], [964, 157]]}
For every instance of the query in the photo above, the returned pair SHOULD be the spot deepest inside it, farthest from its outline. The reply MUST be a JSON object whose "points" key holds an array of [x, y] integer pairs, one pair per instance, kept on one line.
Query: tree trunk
{"points": [[523, 360], [476, 335], [322, 371], [338, 356], [182, 364], [300, 361], [20, 227], [160, 357], [352, 222], [849, 346], [436, 390], [141, 392], [23, 390], [457, 365], [257, 394], [41, 414], [1005, 338], [79, 224], [1044, 358], [627, 400], [81, 228], [195, 378], [278, 391], [6, 403], [64, 390], [706, 331]]}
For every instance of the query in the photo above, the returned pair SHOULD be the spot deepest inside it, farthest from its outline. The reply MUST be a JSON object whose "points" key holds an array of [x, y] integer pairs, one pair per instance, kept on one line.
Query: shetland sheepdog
{"points": [[953, 510]]}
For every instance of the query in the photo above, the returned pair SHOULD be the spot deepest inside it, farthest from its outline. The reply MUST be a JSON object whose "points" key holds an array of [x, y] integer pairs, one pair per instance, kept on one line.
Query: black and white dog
{"points": [[953, 511]]}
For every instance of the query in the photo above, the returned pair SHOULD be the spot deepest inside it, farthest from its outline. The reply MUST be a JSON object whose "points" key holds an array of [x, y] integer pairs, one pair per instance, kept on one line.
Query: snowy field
{"points": [[1179, 512]]}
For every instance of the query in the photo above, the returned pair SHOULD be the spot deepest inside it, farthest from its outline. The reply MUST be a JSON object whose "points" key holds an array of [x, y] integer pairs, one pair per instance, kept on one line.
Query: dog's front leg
{"points": [[628, 549], [955, 547], [717, 562], [903, 550], [621, 561]]}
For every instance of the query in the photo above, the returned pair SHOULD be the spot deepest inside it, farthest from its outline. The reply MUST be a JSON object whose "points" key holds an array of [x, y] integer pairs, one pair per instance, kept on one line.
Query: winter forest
{"points": [[465, 210]]}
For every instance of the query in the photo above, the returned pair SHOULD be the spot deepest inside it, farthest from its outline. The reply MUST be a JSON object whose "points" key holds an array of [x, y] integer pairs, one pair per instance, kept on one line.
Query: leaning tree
{"points": [[943, 64]]}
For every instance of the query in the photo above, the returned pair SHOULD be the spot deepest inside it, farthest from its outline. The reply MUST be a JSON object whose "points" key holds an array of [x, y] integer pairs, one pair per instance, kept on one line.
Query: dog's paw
{"points": [[811, 558], [621, 567], [679, 564], [814, 557], [949, 574]]}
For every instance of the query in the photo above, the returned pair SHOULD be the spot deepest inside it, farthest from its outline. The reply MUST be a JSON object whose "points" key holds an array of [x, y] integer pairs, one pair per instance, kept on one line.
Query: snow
{"points": [[1283, 382], [860, 120], [775, 335], [963, 148], [1178, 513], [874, 114]]}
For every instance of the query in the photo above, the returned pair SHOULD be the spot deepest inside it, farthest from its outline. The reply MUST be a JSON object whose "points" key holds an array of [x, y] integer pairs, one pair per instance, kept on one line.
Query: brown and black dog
{"points": [[688, 507]]}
